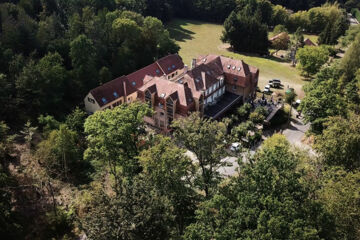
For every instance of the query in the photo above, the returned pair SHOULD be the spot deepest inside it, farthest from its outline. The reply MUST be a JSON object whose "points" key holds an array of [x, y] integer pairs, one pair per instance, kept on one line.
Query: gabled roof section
{"points": [[308, 42], [165, 88], [170, 63], [109, 91], [136, 79], [225, 65]]}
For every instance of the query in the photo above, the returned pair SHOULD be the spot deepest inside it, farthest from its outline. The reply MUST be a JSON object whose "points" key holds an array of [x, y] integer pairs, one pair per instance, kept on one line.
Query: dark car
{"points": [[275, 83]]}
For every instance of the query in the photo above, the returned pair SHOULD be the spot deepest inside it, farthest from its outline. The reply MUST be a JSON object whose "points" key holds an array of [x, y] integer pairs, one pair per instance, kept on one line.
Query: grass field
{"points": [[199, 38]]}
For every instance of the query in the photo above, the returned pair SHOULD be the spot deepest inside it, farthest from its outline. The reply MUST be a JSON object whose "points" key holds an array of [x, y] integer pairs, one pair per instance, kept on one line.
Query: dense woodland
{"points": [[64, 174]]}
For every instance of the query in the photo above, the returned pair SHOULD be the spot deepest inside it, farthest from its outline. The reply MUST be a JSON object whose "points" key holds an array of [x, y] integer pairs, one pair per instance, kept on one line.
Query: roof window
{"points": [[104, 100], [157, 71], [234, 67], [239, 69], [133, 83], [116, 94], [173, 66], [228, 66], [162, 95], [169, 68]]}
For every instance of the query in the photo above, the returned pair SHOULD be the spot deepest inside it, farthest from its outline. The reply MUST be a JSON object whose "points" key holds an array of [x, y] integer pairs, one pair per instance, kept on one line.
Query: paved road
{"points": [[294, 134]]}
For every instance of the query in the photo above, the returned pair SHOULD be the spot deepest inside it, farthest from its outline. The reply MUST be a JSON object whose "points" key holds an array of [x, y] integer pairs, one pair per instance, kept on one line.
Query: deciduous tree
{"points": [[206, 139]]}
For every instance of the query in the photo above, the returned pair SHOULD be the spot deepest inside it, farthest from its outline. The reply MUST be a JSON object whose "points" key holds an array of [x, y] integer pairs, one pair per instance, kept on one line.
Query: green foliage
{"points": [[290, 96], [115, 138], [76, 120], [279, 29], [40, 86], [59, 224], [323, 98], [171, 172], [280, 15], [48, 123], [140, 212], [10, 224], [340, 142], [350, 35], [82, 53], [312, 58], [243, 111], [266, 201], [351, 61], [245, 33], [206, 139], [340, 194], [282, 42], [60, 153]]}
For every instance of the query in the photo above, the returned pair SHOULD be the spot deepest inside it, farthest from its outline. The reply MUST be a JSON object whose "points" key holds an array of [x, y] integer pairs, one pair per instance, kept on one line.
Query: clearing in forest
{"points": [[200, 38]]}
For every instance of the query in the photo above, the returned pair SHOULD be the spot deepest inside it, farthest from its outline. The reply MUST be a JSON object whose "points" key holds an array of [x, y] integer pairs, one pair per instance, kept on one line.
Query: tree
{"points": [[115, 138], [351, 61], [281, 42], [290, 96], [83, 57], [206, 139], [140, 212], [76, 120], [105, 75], [311, 59], [268, 200], [168, 168], [245, 33], [59, 153], [340, 142], [280, 15], [279, 29], [41, 86], [322, 98], [339, 193], [28, 133]]}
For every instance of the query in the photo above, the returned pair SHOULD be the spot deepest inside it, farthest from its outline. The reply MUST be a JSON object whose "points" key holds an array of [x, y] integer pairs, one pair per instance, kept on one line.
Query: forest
{"points": [[67, 175]]}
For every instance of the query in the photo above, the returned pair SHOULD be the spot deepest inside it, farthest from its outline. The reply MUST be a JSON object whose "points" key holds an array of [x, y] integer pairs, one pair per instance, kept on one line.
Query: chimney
{"points": [[193, 63]]}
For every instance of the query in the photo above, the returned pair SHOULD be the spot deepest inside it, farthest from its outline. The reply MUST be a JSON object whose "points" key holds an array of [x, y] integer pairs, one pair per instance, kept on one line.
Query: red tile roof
{"points": [[129, 84], [308, 42], [170, 63], [109, 91], [168, 88]]}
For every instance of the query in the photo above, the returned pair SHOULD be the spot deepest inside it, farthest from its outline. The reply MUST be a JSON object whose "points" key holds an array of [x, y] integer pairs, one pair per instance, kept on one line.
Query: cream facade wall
{"points": [[91, 105]]}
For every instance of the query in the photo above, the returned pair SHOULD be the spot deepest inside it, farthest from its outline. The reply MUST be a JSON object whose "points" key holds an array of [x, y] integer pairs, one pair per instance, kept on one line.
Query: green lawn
{"points": [[199, 38]]}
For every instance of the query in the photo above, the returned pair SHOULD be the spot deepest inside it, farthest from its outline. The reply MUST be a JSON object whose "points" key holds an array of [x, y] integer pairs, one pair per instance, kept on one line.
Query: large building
{"points": [[211, 86]]}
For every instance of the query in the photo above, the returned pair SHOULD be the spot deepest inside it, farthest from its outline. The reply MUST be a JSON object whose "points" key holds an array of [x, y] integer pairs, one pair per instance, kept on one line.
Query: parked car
{"points": [[276, 83], [267, 89], [235, 147]]}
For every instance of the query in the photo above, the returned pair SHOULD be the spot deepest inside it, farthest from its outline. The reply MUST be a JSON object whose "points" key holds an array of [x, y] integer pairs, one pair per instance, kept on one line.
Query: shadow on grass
{"points": [[178, 32]]}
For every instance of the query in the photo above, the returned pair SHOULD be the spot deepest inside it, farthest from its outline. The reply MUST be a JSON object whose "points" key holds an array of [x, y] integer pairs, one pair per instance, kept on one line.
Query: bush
{"points": [[256, 117]]}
